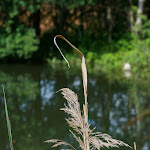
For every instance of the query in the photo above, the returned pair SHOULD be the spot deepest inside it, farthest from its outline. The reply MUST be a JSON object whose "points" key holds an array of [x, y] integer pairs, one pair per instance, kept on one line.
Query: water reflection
{"points": [[118, 107]]}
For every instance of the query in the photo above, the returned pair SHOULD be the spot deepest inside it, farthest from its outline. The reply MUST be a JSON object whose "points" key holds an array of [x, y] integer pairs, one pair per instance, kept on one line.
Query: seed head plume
{"points": [[78, 121]]}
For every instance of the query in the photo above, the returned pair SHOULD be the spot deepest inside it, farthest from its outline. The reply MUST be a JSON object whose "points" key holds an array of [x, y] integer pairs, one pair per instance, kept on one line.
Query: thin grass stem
{"points": [[8, 121]]}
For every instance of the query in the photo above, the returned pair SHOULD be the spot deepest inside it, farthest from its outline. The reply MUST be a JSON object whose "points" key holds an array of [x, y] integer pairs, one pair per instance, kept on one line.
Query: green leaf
{"points": [[8, 121]]}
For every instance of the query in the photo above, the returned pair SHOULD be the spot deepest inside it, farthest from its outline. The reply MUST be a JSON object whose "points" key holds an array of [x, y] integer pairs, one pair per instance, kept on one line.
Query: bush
{"points": [[20, 43]]}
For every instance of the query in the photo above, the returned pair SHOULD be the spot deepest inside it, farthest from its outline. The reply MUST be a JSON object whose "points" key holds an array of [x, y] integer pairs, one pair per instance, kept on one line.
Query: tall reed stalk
{"points": [[78, 121], [8, 121], [134, 146]]}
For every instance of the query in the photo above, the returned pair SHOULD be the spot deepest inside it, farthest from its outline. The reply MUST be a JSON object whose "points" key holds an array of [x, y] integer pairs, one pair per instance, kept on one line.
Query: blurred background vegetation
{"points": [[113, 32]]}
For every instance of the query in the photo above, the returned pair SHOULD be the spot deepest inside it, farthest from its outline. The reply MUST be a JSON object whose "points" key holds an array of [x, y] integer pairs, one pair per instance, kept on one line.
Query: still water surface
{"points": [[117, 106]]}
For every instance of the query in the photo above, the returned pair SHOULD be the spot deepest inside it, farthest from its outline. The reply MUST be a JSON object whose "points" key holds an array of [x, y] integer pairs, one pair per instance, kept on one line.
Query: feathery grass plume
{"points": [[78, 121], [58, 143], [8, 121]]}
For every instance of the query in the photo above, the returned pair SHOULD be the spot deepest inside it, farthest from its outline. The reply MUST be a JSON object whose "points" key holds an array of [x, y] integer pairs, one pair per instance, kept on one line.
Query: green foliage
{"points": [[72, 3], [143, 29], [20, 43], [12, 8], [110, 57]]}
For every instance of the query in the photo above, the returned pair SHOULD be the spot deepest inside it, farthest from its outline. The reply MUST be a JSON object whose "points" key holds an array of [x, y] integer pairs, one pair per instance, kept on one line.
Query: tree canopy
{"points": [[27, 28]]}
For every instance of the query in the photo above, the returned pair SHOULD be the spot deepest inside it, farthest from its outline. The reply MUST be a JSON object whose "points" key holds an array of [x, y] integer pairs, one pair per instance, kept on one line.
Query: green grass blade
{"points": [[8, 121]]}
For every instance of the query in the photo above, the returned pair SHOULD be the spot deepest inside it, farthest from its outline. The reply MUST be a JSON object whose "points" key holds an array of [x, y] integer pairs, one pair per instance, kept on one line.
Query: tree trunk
{"points": [[110, 21], [37, 22], [131, 18], [81, 19], [139, 13]]}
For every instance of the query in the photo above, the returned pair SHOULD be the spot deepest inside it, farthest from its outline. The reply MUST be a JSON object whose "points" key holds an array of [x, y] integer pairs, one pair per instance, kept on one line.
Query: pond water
{"points": [[117, 106]]}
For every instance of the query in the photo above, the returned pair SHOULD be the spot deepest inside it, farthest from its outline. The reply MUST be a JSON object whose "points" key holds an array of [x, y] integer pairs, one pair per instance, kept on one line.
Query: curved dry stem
{"points": [[83, 66]]}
